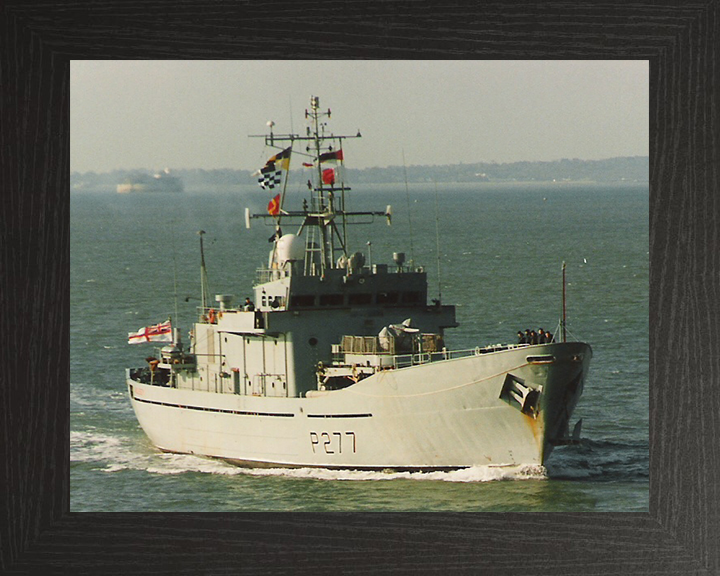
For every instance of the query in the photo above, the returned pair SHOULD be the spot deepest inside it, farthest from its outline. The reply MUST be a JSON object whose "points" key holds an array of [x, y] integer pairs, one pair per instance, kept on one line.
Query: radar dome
{"points": [[290, 247]]}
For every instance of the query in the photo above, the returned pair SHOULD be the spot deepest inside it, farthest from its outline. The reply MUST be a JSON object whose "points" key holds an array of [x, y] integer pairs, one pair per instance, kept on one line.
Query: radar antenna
{"points": [[326, 212]]}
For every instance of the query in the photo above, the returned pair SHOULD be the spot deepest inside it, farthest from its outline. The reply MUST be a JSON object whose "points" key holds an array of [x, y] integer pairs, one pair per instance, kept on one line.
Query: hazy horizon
{"points": [[298, 169], [134, 115]]}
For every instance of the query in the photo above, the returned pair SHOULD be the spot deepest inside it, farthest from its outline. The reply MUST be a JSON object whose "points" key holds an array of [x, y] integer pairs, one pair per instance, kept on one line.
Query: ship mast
{"points": [[326, 211], [204, 290], [564, 315], [325, 197]]}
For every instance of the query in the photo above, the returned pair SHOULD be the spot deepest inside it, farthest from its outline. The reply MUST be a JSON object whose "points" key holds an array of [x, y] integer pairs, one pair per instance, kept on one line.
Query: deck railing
{"points": [[405, 360]]}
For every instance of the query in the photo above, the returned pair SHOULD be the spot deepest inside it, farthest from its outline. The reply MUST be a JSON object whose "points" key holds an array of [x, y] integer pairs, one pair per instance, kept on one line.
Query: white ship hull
{"points": [[337, 363], [439, 415]]}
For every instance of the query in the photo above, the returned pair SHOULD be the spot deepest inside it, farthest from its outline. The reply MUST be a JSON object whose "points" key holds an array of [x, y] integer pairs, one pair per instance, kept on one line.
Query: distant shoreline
{"points": [[567, 171], [416, 187]]}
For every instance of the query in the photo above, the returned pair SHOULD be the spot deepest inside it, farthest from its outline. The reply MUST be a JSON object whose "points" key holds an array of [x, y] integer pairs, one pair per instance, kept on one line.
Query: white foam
{"points": [[109, 453], [114, 454], [182, 463], [89, 446], [472, 474], [118, 453]]}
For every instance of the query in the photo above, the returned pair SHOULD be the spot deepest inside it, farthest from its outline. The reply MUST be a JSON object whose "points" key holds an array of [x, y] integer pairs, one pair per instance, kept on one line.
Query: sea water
{"points": [[493, 250]]}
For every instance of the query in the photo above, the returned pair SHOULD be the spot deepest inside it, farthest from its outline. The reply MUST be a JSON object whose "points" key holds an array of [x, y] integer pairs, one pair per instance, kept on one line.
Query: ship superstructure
{"points": [[341, 363]]}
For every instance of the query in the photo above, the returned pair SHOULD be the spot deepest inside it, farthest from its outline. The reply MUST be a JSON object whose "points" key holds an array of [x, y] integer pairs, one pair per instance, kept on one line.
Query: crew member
{"points": [[153, 362], [249, 306]]}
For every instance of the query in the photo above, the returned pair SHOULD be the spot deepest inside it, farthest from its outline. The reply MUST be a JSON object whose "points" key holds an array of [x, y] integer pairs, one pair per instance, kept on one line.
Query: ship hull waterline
{"points": [[441, 415]]}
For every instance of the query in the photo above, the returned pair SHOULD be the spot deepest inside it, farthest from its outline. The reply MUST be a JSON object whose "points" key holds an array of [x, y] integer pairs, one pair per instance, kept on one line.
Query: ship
{"points": [[340, 363], [158, 182]]}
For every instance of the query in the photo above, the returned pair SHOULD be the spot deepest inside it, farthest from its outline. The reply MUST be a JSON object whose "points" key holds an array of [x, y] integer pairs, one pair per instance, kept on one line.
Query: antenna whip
{"points": [[407, 196], [437, 242]]}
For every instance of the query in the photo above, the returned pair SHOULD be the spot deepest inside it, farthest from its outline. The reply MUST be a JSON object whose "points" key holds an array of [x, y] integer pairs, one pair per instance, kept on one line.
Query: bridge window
{"points": [[332, 299], [388, 297], [302, 300], [359, 299], [411, 297]]}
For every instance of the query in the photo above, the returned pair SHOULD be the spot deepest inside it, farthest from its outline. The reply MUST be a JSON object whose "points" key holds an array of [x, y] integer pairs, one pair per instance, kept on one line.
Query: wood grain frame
{"points": [[681, 532]]}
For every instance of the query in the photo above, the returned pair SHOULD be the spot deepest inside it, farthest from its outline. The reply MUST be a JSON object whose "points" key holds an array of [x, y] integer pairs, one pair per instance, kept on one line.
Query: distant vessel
{"points": [[340, 363], [158, 182]]}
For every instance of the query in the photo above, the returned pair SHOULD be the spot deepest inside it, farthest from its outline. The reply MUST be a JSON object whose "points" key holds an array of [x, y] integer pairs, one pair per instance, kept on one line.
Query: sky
{"points": [[198, 114]]}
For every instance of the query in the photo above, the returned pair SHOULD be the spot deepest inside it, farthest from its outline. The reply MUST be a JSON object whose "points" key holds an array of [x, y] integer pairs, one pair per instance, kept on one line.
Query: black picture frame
{"points": [[679, 535]]}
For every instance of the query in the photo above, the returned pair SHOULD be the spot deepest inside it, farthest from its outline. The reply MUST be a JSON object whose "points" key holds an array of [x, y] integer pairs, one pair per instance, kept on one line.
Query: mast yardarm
{"points": [[325, 213]]}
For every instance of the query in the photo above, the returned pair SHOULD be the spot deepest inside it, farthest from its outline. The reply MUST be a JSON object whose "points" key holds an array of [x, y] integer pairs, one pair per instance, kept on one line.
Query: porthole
{"points": [[313, 341]]}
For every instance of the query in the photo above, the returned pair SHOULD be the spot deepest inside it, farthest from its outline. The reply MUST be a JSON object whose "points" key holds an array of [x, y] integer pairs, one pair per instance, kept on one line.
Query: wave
{"points": [[472, 474], [589, 460], [90, 446], [603, 460]]}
